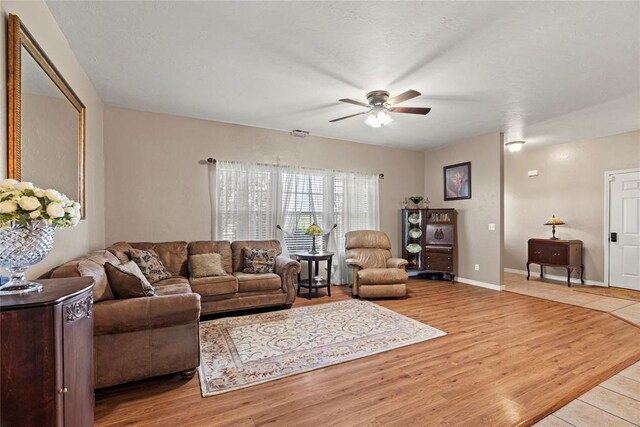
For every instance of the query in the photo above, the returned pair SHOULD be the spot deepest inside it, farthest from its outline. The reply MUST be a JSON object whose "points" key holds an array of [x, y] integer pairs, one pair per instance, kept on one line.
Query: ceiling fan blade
{"points": [[354, 102], [411, 110], [405, 96], [348, 117]]}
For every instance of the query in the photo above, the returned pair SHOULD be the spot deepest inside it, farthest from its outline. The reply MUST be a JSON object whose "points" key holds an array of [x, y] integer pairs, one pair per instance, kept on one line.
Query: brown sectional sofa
{"points": [[144, 337]]}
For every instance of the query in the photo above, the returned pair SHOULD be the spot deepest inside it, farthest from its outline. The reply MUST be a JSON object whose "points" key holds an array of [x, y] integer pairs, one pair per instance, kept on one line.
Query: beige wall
{"points": [[157, 189], [89, 234], [570, 185], [476, 244]]}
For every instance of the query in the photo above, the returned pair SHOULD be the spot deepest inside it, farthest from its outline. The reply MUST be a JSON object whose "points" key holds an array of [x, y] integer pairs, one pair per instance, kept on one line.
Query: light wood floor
{"points": [[614, 402], [508, 359]]}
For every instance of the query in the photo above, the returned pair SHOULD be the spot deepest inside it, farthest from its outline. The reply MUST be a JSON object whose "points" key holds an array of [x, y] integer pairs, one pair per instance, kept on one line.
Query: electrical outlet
{"points": [[477, 267], [492, 227]]}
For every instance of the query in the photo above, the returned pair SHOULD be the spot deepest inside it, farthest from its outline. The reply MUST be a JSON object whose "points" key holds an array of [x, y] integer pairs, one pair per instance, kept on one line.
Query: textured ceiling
{"points": [[548, 72]]}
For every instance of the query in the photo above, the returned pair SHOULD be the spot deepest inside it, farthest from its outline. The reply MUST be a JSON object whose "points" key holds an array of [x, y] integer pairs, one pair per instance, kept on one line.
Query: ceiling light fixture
{"points": [[378, 118], [514, 146]]}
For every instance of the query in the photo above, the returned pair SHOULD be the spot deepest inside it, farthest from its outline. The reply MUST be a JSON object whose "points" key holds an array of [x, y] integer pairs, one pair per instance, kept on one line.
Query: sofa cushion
{"points": [[136, 314], [127, 281], [121, 251], [101, 289], [215, 285], [239, 245], [172, 254], [206, 265], [259, 261], [221, 247], [172, 286], [90, 265], [248, 282], [150, 264], [380, 276]]}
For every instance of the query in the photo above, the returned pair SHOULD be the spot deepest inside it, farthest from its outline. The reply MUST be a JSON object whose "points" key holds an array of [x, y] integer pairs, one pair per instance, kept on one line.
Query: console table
{"points": [[46, 372], [556, 253], [311, 260]]}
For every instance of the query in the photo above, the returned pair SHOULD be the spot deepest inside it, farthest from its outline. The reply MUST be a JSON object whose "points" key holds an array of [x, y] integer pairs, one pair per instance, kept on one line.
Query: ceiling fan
{"points": [[380, 106]]}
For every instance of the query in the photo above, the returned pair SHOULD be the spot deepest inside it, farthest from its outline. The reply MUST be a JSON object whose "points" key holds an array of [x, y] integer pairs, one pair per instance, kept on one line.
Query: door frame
{"points": [[607, 200]]}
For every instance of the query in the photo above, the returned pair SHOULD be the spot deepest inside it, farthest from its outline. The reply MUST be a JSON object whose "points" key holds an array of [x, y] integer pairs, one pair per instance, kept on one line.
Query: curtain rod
{"points": [[213, 161]]}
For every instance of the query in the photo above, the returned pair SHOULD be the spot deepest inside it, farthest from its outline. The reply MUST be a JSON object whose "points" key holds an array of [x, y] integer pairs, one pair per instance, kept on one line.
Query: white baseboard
{"points": [[555, 277], [480, 284]]}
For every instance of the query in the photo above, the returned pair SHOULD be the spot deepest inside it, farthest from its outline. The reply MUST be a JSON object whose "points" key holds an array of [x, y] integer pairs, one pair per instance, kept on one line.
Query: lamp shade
{"points": [[378, 118], [554, 220]]}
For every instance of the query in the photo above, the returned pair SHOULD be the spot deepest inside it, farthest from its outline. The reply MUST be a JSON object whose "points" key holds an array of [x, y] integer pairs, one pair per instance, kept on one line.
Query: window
{"points": [[252, 199]]}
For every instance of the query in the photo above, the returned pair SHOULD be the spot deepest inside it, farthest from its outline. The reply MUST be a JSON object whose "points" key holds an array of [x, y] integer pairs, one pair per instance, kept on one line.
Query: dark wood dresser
{"points": [[46, 367], [556, 253]]}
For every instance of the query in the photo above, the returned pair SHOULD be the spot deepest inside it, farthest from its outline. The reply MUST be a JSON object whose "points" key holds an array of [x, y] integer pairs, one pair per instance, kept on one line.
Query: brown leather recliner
{"points": [[375, 272]]}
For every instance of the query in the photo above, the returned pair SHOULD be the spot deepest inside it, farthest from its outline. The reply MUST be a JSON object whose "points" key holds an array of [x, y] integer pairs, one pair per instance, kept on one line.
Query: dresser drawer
{"points": [[439, 261]]}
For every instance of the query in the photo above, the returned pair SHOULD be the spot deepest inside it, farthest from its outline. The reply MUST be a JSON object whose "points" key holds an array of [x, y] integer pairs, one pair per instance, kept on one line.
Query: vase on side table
{"points": [[22, 246]]}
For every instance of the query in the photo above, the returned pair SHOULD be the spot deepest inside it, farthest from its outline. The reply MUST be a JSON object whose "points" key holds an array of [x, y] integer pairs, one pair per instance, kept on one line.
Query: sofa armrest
{"points": [[352, 262], [136, 314], [397, 263], [288, 270]]}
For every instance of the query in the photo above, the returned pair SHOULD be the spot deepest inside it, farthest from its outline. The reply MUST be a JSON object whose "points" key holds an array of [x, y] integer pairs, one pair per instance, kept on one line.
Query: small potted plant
{"points": [[314, 231], [28, 218], [416, 200]]}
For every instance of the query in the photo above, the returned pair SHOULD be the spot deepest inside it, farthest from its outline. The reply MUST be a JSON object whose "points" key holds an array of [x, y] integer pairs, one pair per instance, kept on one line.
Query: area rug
{"points": [[613, 292], [239, 352]]}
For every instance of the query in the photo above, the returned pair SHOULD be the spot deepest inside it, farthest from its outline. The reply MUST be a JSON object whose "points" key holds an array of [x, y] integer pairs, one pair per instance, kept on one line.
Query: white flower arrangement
{"points": [[22, 202]]}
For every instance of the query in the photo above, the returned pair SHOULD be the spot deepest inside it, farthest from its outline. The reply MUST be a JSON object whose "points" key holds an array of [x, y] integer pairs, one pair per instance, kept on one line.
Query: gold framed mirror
{"points": [[46, 119]]}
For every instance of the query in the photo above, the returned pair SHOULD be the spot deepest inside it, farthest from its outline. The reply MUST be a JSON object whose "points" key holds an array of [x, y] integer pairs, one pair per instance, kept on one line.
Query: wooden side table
{"points": [[314, 259], [46, 368]]}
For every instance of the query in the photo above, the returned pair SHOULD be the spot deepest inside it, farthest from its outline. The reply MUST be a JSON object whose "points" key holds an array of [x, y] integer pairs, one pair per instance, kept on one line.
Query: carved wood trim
{"points": [[80, 309]]}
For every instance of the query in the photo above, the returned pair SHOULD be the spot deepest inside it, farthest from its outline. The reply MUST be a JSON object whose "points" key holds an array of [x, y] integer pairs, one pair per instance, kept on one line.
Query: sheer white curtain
{"points": [[357, 207], [251, 199], [247, 201]]}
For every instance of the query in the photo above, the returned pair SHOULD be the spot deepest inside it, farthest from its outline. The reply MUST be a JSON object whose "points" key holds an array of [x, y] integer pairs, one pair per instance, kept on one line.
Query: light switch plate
{"points": [[477, 267], [492, 227], [533, 172]]}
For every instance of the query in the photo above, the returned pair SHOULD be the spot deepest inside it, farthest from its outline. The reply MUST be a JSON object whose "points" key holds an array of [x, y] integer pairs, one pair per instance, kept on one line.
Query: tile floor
{"points": [[615, 402]]}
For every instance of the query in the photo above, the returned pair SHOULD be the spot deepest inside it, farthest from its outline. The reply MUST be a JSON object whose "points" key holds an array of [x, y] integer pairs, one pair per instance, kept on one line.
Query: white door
{"points": [[624, 230]]}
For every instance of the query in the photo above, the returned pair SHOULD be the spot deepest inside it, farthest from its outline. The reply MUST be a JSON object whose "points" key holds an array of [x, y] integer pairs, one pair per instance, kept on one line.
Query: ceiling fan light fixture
{"points": [[378, 119], [514, 146]]}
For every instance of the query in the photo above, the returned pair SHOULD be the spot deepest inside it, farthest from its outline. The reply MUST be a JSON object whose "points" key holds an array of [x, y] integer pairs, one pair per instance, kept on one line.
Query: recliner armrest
{"points": [[352, 262], [137, 314], [397, 263]]}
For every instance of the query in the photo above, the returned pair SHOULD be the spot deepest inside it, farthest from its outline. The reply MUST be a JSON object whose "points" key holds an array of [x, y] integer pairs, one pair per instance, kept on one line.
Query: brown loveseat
{"points": [[143, 337]]}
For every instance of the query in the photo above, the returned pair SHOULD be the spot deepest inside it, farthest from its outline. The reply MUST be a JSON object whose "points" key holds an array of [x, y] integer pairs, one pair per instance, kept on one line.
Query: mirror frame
{"points": [[17, 37]]}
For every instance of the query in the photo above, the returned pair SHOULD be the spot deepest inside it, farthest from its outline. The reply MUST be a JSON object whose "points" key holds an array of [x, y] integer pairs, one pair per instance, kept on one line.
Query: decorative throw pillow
{"points": [[127, 281], [206, 265], [150, 265], [259, 261]]}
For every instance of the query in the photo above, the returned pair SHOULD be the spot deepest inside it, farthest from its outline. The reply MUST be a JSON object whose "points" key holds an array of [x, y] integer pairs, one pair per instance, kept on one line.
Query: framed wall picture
{"points": [[457, 181]]}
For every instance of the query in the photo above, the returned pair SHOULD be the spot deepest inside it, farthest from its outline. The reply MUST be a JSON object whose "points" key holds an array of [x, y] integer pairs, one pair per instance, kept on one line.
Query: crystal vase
{"points": [[22, 246]]}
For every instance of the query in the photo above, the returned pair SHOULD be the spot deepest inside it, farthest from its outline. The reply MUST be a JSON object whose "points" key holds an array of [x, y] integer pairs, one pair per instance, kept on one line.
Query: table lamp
{"points": [[553, 221]]}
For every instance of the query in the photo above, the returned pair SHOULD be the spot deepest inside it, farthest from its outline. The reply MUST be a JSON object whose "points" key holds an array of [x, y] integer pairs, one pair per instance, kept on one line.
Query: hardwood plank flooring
{"points": [[508, 359]]}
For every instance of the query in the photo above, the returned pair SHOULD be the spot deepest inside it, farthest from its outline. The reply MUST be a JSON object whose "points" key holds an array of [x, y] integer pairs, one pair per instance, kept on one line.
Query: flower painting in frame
{"points": [[457, 181]]}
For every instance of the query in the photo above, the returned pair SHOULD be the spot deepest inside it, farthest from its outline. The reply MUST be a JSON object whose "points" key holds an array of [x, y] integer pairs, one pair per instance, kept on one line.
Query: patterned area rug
{"points": [[239, 352]]}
